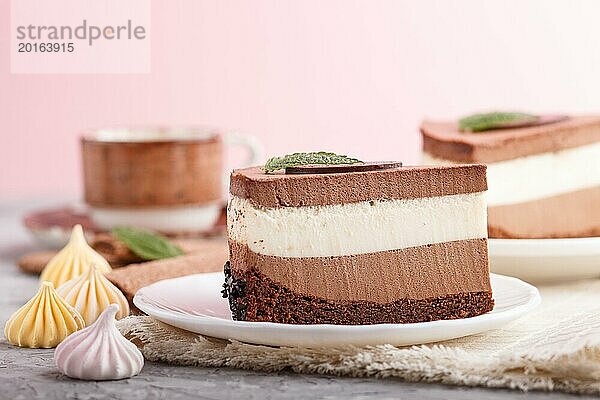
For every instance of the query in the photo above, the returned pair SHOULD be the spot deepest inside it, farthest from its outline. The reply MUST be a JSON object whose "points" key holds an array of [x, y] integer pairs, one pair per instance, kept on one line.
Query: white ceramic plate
{"points": [[194, 303], [546, 260]]}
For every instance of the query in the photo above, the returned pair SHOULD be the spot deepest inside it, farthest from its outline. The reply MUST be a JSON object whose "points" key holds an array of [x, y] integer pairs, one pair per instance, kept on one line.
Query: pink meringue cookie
{"points": [[99, 352]]}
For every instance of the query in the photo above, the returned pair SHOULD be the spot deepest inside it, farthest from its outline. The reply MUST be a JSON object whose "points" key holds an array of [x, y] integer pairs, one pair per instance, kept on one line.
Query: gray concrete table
{"points": [[30, 374]]}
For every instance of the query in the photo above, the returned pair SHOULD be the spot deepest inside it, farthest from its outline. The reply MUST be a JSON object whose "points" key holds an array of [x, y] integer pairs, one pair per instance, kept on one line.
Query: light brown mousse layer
{"points": [[414, 273], [288, 190], [573, 214], [444, 140]]}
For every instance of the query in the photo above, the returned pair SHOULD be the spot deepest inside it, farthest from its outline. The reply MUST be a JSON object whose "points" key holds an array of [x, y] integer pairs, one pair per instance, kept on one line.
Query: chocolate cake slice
{"points": [[358, 245], [544, 179]]}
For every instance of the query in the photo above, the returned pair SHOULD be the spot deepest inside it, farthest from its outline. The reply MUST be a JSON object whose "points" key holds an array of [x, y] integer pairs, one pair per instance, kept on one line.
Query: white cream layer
{"points": [[356, 228], [538, 176]]}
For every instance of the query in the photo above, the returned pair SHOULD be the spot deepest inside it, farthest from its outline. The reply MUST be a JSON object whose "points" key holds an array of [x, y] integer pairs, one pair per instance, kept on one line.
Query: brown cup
{"points": [[163, 179]]}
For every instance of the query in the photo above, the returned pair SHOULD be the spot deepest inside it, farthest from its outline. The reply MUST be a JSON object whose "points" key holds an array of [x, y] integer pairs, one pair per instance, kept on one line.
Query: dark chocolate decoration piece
{"points": [[342, 168], [541, 120]]}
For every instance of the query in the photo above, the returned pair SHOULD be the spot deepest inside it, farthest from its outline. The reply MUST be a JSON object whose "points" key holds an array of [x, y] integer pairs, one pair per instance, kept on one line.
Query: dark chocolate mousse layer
{"points": [[574, 214], [415, 273], [445, 141], [255, 297], [296, 190]]}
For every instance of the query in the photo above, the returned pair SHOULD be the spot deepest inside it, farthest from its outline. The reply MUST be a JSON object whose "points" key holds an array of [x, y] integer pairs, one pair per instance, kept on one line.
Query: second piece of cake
{"points": [[544, 177], [356, 246]]}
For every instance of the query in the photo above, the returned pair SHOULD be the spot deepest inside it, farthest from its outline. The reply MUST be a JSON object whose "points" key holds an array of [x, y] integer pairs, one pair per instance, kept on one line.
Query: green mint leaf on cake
{"points": [[296, 159], [147, 245], [494, 120]]}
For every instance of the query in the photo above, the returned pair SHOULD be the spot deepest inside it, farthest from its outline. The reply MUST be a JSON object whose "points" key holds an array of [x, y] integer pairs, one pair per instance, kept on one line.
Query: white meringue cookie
{"points": [[99, 352], [91, 293]]}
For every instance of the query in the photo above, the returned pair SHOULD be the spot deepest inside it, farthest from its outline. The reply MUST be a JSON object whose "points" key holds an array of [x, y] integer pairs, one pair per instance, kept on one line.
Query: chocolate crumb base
{"points": [[254, 297], [234, 290]]}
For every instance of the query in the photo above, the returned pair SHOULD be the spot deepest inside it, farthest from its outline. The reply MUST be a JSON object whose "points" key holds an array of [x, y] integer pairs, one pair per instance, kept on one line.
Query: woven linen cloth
{"points": [[555, 347]]}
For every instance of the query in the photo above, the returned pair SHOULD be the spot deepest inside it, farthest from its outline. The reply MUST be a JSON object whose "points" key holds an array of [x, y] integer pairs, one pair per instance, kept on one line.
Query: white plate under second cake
{"points": [[546, 260], [194, 303]]}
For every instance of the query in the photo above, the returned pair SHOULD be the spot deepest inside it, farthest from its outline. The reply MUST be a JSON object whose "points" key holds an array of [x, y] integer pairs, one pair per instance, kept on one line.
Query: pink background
{"points": [[353, 77]]}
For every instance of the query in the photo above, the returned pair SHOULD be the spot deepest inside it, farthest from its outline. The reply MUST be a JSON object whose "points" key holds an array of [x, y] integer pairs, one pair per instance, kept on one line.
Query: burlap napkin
{"points": [[204, 255], [119, 255], [556, 347]]}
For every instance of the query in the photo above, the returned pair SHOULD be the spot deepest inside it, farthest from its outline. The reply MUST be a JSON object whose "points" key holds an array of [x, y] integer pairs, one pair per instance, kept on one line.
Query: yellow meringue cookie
{"points": [[73, 260], [45, 321], [91, 294]]}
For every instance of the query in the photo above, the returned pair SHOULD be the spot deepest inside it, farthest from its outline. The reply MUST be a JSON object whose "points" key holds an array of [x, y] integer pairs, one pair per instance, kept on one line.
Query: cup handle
{"points": [[253, 149]]}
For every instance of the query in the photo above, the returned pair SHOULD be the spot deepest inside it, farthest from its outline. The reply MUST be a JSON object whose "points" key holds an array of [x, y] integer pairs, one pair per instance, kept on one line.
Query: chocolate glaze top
{"points": [[444, 140], [296, 190]]}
